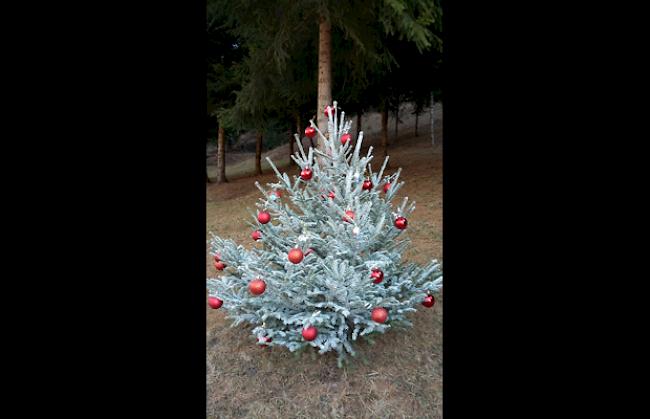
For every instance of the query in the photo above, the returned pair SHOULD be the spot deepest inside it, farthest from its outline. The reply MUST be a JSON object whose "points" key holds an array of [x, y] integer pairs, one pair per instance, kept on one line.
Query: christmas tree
{"points": [[326, 268]]}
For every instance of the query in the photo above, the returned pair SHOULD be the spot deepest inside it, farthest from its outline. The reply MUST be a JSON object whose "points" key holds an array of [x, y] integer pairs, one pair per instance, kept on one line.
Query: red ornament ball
{"points": [[349, 215], [345, 138], [401, 223], [386, 187], [257, 286], [256, 235], [331, 195], [429, 301], [310, 132], [263, 217], [377, 275], [328, 110], [309, 333], [219, 265], [217, 257], [214, 302], [277, 194], [295, 255], [367, 185], [379, 314], [306, 173], [264, 339]]}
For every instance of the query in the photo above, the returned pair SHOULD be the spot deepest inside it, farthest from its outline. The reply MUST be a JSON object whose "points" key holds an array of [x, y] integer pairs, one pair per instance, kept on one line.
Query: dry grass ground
{"points": [[400, 376]]}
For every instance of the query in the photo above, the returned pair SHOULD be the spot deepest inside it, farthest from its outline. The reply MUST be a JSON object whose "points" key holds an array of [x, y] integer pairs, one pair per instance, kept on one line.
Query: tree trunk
{"points": [[396, 119], [324, 73], [384, 132], [258, 154], [433, 138], [417, 114], [359, 123], [292, 140], [221, 156]]}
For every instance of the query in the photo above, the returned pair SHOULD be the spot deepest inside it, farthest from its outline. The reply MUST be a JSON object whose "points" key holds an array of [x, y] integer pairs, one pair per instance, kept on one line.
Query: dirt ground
{"points": [[400, 376]]}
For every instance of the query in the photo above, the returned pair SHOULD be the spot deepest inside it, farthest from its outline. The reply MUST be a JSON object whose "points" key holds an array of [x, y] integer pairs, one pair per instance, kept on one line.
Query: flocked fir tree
{"points": [[327, 266]]}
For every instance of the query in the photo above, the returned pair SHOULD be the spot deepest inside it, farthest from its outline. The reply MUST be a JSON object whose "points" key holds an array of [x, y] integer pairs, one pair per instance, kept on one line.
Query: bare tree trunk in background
{"points": [[396, 119], [324, 73], [417, 114], [384, 132], [292, 140], [258, 154], [221, 156], [359, 123], [433, 138]]}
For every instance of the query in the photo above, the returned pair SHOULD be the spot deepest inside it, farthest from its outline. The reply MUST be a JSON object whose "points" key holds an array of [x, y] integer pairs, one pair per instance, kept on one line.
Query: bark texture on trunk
{"points": [[292, 140], [433, 138], [324, 74], [384, 132], [417, 115], [258, 154], [359, 123], [221, 156], [396, 121]]}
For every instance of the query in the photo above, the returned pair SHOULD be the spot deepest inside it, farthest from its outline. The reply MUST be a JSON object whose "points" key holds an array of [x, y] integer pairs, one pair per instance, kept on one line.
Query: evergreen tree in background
{"points": [[327, 266], [276, 33], [225, 77]]}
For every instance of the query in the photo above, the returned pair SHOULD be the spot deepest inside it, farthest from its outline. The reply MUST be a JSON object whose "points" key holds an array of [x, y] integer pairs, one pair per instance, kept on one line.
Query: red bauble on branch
{"points": [[276, 194], [219, 266], [331, 195], [345, 138], [429, 301], [401, 223], [309, 333], [310, 132], [217, 257], [214, 302], [386, 187], [349, 215], [256, 235], [263, 217], [264, 339], [367, 185], [379, 314], [295, 255], [377, 275], [328, 110], [257, 286], [306, 173]]}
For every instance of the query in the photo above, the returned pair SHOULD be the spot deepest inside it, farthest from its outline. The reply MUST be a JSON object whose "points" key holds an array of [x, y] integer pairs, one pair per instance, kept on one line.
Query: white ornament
{"points": [[303, 238], [356, 176], [355, 230]]}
